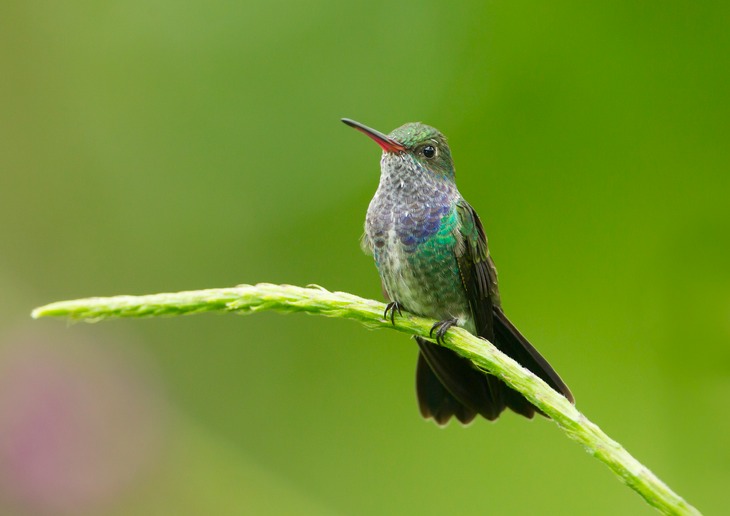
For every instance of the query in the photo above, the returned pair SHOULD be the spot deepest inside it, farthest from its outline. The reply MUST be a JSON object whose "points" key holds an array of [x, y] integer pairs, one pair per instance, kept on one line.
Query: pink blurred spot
{"points": [[79, 422]]}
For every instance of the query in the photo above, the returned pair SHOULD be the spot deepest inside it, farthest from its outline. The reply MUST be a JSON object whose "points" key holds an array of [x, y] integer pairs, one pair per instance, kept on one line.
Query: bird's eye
{"points": [[429, 151]]}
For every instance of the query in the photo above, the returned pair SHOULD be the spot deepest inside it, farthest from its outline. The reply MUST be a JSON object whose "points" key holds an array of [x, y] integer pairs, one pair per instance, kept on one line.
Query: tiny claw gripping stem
{"points": [[392, 307], [441, 328]]}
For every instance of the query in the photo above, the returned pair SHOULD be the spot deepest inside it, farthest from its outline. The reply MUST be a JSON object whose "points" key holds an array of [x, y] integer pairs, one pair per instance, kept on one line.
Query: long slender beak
{"points": [[386, 143]]}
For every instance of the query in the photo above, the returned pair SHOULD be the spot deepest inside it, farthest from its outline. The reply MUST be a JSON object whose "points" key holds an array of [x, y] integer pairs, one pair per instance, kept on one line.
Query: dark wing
{"points": [[499, 329], [478, 274]]}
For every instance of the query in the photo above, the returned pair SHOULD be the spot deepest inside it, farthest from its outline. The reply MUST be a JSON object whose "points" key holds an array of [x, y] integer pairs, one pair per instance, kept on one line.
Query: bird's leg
{"points": [[441, 328], [392, 307]]}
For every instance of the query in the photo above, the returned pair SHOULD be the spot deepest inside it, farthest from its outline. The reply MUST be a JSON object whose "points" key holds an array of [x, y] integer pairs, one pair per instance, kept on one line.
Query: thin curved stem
{"points": [[246, 299]]}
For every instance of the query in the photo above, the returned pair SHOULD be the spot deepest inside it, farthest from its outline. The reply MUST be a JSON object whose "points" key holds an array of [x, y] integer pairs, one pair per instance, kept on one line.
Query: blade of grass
{"points": [[246, 299]]}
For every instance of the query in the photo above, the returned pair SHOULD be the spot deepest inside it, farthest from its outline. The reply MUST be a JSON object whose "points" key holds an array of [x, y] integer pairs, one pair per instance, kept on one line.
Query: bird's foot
{"points": [[392, 308], [441, 328]]}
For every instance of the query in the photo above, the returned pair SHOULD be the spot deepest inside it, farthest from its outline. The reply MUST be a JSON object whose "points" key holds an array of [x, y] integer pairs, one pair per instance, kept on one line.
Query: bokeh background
{"points": [[151, 146]]}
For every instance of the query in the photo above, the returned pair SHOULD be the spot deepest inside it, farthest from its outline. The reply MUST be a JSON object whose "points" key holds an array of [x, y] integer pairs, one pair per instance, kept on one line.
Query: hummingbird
{"points": [[431, 253]]}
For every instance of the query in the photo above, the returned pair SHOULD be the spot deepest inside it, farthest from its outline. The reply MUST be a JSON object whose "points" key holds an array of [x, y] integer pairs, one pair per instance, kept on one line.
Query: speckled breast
{"points": [[410, 226]]}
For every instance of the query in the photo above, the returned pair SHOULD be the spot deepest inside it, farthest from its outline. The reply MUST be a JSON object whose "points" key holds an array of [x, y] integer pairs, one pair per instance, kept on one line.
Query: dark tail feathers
{"points": [[449, 385]]}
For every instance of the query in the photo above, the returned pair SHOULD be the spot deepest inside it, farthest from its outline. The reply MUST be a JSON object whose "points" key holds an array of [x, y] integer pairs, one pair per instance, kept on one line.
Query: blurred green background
{"points": [[153, 146]]}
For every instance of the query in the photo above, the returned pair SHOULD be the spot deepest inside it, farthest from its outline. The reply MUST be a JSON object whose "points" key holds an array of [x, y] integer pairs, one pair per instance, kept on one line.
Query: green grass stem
{"points": [[246, 299]]}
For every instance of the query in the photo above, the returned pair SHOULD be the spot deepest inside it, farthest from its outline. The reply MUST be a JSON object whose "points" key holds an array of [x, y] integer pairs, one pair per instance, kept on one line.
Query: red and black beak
{"points": [[387, 144]]}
